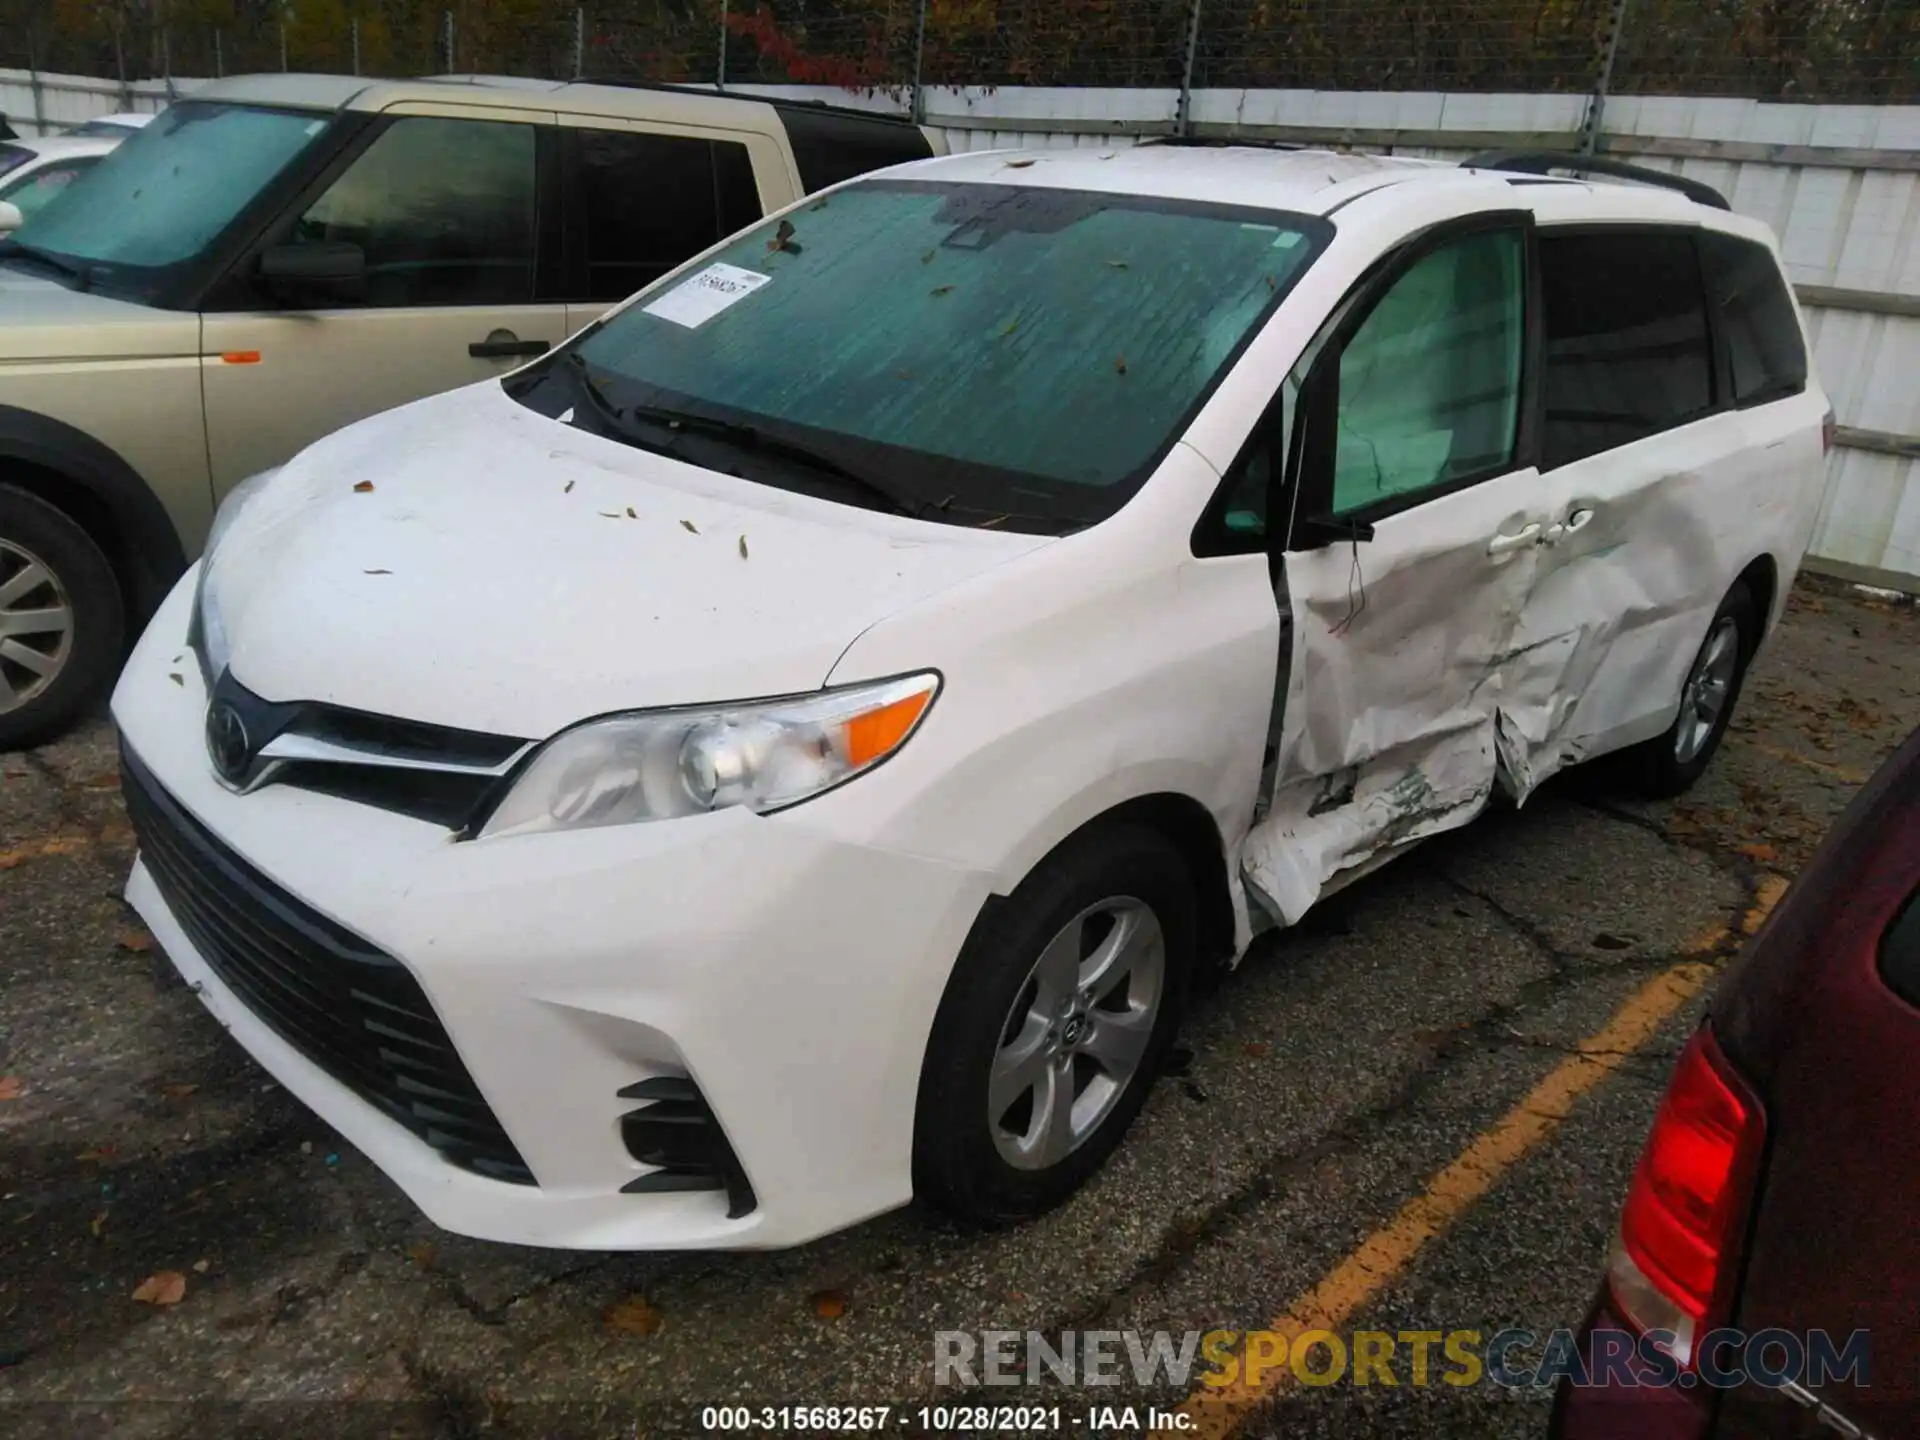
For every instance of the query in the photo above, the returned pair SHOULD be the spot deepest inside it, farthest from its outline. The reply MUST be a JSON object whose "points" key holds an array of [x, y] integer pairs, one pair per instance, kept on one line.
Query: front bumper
{"points": [[790, 974]]}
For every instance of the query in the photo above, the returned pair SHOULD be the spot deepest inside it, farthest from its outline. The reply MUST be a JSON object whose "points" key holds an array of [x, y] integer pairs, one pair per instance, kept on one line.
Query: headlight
{"points": [[207, 631], [664, 764]]}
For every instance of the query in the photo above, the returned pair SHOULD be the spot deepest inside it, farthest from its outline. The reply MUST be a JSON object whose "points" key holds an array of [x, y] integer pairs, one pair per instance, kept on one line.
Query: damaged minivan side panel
{"points": [[1409, 559]]}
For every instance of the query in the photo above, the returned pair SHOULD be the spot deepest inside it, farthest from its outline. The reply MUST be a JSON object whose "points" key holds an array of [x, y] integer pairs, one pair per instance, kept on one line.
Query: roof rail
{"points": [[778, 102], [1543, 162]]}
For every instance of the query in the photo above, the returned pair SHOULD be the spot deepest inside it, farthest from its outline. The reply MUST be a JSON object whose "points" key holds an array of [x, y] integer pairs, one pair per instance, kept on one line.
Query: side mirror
{"points": [[328, 267], [10, 217]]}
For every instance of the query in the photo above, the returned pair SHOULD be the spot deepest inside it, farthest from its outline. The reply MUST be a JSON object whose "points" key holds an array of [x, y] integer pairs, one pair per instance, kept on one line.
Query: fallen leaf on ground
{"points": [[1765, 854], [138, 941], [634, 1316], [1259, 1049], [98, 1152], [163, 1287], [363, 487], [200, 1267], [10, 1087], [829, 1304], [98, 1224], [178, 1089], [423, 1253]]}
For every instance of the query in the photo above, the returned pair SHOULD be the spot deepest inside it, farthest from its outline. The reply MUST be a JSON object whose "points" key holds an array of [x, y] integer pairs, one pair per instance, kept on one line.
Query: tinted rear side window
{"points": [[830, 146], [1765, 351], [1627, 348], [650, 201]]}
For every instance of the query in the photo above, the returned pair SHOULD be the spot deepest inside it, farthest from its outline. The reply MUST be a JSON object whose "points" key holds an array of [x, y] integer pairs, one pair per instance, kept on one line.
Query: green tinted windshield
{"points": [[1036, 342], [164, 193]]}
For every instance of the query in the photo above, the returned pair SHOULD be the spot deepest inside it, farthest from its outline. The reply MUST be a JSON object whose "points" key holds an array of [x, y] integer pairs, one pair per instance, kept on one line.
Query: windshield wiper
{"points": [[753, 438], [621, 419], [82, 274]]}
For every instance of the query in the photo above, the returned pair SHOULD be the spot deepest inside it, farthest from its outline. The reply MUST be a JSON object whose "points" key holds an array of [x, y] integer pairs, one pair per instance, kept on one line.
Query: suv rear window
{"points": [[650, 201], [1765, 350], [1627, 347]]}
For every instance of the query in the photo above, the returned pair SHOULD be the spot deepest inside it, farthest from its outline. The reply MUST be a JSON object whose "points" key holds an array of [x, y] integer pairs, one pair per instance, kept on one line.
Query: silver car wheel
{"points": [[36, 626], [1077, 1032], [1705, 699]]}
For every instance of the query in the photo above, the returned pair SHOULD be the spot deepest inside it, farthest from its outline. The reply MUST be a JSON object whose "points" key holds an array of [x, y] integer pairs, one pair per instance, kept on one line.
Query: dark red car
{"points": [[1766, 1278]]}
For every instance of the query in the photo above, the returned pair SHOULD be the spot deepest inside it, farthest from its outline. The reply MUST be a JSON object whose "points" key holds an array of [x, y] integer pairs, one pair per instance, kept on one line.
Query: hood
{"points": [[511, 574], [41, 319]]}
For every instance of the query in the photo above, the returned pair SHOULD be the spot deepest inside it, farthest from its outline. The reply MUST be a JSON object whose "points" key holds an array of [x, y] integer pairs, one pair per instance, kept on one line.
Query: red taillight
{"points": [[1681, 1228], [1829, 427]]}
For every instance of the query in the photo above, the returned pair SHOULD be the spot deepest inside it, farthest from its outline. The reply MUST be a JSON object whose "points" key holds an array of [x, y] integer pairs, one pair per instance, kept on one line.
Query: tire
{"points": [[1669, 764], [62, 621], [1086, 899]]}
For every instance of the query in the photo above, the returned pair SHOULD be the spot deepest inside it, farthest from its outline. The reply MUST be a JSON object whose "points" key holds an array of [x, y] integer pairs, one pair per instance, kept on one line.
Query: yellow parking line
{"points": [[1216, 1413]]}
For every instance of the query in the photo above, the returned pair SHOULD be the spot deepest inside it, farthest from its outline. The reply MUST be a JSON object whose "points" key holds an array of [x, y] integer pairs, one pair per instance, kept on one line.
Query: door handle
{"points": [[1560, 529], [1519, 540], [499, 349]]}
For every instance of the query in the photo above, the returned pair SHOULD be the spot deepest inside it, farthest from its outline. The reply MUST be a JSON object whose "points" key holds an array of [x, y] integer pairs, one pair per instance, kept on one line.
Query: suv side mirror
{"points": [[10, 217], [327, 267]]}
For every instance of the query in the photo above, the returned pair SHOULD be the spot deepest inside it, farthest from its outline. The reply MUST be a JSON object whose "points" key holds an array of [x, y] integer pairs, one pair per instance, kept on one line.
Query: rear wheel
{"points": [[61, 620], [1056, 1019], [1670, 763]]}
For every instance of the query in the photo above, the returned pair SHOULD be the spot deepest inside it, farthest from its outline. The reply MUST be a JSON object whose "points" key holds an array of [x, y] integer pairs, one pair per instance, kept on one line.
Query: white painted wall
{"points": [[1843, 226]]}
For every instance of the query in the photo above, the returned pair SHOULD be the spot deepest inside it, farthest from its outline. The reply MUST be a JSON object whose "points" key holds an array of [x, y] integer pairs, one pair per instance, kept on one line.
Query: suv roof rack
{"points": [[1543, 162]]}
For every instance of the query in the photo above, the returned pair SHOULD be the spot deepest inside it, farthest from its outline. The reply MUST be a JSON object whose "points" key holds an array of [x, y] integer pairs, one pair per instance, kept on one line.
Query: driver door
{"points": [[1415, 506], [451, 217]]}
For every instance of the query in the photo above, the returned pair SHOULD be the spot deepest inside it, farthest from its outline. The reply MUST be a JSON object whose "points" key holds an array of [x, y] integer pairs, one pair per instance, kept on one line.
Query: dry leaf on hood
{"points": [[634, 1316], [743, 547], [363, 488], [829, 1304], [163, 1287], [176, 677], [569, 489], [690, 527], [1018, 164]]}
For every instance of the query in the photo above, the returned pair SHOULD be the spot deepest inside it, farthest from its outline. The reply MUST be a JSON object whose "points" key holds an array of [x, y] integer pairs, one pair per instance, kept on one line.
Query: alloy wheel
{"points": [[1708, 688], [1077, 1032], [36, 626]]}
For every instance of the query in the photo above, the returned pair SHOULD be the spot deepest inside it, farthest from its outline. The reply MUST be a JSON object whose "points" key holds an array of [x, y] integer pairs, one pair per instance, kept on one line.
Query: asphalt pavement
{"points": [[1417, 1112]]}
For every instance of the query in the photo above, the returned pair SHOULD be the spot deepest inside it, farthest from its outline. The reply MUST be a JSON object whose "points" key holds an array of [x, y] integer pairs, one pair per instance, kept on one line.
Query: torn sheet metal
{"points": [[1388, 730]]}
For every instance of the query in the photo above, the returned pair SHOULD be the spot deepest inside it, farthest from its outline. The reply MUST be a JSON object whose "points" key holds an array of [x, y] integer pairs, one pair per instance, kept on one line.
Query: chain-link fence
{"points": [[1807, 50]]}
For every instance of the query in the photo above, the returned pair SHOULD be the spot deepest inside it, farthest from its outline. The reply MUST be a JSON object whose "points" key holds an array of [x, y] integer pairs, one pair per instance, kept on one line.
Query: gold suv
{"points": [[281, 255]]}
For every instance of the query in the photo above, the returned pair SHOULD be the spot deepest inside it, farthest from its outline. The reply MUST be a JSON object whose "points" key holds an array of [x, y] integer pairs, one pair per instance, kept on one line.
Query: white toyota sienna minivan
{"points": [[787, 750]]}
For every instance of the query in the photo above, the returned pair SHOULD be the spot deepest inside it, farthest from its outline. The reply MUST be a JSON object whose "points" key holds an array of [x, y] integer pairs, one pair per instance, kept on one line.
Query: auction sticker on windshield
{"points": [[694, 302]]}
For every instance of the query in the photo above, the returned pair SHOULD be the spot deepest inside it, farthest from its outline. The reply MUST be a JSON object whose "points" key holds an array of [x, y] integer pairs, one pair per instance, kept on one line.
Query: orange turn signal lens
{"points": [[873, 734], [240, 357]]}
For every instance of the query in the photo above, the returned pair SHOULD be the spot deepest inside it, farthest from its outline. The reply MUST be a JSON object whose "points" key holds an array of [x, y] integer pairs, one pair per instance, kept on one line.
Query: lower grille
{"points": [[677, 1132], [350, 1008]]}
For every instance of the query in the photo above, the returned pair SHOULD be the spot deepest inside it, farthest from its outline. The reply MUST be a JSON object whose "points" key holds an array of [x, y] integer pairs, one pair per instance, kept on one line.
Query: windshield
{"points": [[999, 350], [162, 195]]}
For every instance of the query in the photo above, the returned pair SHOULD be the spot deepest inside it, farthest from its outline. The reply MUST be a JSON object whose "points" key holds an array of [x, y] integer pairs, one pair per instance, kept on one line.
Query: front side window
{"points": [[442, 209], [164, 194], [1627, 348], [32, 192], [1429, 384], [1000, 352], [1766, 353], [650, 201]]}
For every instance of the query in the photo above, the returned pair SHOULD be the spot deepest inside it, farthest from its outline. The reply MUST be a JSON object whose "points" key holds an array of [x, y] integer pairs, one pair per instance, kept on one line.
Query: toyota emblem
{"points": [[227, 743]]}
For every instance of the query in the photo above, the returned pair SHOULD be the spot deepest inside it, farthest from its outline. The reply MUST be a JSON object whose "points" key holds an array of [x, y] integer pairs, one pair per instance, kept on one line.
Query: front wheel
{"points": [[1056, 1019], [1670, 763], [61, 620]]}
